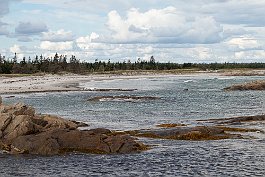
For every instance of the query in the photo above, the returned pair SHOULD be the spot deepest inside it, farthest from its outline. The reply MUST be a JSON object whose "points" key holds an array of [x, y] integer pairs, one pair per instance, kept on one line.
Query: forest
{"points": [[61, 63]]}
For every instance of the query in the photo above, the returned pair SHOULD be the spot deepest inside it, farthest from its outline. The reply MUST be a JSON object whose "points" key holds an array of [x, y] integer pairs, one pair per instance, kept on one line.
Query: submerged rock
{"points": [[24, 131], [171, 125], [255, 85], [123, 98], [216, 129], [236, 120], [109, 90], [186, 133]]}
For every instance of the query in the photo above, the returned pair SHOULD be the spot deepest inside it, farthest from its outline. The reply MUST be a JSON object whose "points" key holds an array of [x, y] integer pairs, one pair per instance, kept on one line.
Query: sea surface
{"points": [[183, 99]]}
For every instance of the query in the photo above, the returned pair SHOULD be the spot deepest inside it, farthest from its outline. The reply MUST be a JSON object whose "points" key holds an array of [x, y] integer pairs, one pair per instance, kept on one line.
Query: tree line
{"points": [[61, 63]]}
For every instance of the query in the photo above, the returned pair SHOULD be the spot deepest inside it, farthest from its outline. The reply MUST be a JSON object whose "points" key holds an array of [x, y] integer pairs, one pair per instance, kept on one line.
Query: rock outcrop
{"points": [[186, 133], [24, 131], [213, 129], [57, 141], [255, 85]]}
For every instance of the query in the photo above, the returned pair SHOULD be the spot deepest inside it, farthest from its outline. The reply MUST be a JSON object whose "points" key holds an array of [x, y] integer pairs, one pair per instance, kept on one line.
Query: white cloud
{"points": [[243, 43], [58, 36], [15, 49], [166, 25], [250, 56], [202, 53], [178, 31], [87, 45], [18, 50], [146, 50], [88, 39], [56, 46]]}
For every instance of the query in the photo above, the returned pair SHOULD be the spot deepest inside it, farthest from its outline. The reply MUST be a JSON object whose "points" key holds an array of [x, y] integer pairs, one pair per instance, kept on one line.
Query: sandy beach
{"points": [[70, 82], [46, 83], [59, 83], [52, 83]]}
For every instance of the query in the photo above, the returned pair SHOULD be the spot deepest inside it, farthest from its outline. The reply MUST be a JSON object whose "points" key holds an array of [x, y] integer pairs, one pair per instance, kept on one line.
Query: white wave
{"points": [[188, 81]]}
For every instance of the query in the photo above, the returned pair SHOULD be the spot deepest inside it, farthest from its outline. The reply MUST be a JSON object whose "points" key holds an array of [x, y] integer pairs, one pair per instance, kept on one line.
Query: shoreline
{"points": [[37, 84], [69, 82]]}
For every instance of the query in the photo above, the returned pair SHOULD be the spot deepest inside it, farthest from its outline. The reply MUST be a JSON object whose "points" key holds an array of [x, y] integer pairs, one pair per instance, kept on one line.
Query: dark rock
{"points": [[186, 133], [123, 98], [80, 124], [110, 90], [61, 141], [12, 96], [99, 131], [236, 120]]}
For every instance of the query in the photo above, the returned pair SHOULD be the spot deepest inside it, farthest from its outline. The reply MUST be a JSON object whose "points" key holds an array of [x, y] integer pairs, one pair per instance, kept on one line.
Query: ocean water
{"points": [[183, 99]]}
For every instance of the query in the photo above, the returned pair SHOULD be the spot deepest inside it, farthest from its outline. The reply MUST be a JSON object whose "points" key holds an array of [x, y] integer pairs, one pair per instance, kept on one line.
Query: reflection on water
{"points": [[183, 99]]}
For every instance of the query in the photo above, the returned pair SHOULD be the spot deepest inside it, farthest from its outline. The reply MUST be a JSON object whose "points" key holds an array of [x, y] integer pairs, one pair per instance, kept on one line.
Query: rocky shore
{"points": [[212, 129], [22, 131]]}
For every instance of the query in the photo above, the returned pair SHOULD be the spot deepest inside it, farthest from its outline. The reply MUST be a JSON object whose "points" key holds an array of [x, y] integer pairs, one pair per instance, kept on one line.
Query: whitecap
{"points": [[188, 81]]}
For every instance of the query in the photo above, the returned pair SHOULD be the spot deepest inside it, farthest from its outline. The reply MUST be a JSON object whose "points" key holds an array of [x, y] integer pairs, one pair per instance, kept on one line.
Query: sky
{"points": [[200, 31]]}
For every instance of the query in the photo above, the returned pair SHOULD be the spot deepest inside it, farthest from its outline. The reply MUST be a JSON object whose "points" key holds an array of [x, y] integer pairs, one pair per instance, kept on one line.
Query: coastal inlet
{"points": [[185, 103]]}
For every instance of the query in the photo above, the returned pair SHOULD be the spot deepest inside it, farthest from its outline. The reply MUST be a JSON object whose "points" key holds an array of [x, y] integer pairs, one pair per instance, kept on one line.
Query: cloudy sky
{"points": [[170, 30]]}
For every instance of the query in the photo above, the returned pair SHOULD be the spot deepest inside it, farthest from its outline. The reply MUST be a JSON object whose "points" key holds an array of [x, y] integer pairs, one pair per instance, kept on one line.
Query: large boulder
{"points": [[59, 141], [52, 122], [24, 131], [20, 119], [15, 126], [16, 120], [17, 109]]}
